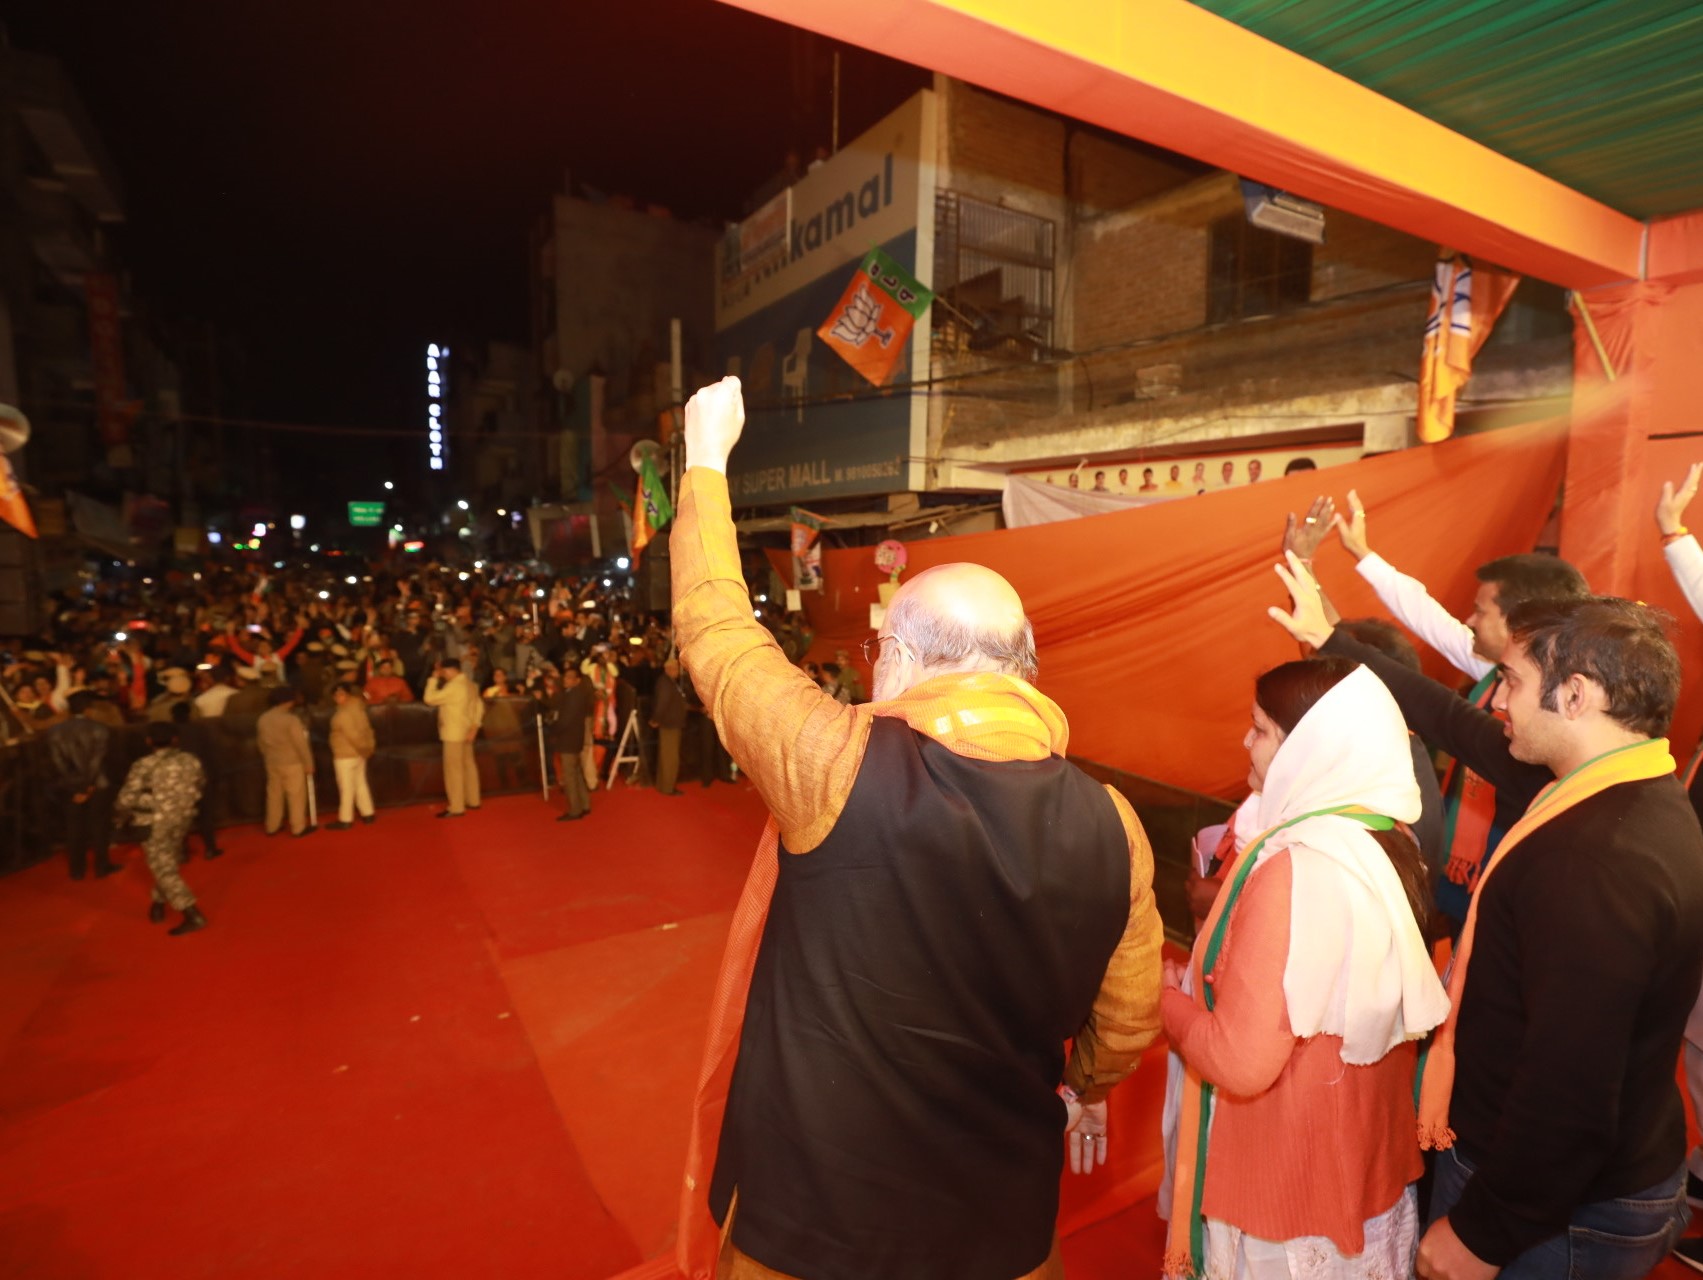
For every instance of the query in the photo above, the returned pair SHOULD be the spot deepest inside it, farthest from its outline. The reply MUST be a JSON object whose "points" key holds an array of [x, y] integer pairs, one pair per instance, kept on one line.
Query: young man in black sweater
{"points": [[1586, 953]]}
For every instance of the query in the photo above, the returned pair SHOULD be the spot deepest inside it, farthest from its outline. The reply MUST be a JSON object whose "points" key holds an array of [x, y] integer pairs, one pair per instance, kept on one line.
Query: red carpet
{"points": [[421, 1048]]}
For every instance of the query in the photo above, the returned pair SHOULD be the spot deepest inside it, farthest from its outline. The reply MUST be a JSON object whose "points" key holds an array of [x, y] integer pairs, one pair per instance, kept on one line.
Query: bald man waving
{"points": [[938, 903]]}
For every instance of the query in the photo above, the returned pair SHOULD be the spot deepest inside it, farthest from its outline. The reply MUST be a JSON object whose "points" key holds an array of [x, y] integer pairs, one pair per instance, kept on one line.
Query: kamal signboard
{"points": [[366, 515], [815, 428]]}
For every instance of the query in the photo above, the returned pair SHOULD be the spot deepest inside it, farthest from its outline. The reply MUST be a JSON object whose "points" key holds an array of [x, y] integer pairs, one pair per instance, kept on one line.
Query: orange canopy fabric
{"points": [[1632, 433], [1151, 624]]}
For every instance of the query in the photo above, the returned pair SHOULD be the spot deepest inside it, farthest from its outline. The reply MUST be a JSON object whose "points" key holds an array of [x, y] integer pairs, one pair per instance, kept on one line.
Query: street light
{"points": [[389, 485], [461, 504], [620, 562]]}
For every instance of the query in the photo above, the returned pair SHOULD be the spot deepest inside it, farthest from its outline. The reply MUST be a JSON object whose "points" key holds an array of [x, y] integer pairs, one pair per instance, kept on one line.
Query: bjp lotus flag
{"points": [[651, 507], [871, 324], [13, 509], [1465, 301]]}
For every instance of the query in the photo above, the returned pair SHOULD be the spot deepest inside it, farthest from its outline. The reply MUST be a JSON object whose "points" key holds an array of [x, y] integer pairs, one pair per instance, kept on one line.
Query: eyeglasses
{"points": [[871, 648]]}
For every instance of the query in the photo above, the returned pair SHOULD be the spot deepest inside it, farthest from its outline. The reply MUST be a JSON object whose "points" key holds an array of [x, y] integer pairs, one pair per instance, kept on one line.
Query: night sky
{"points": [[333, 184]]}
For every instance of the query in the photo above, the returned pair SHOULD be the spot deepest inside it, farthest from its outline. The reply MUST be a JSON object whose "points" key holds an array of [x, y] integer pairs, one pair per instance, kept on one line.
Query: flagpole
{"points": [[1596, 338], [677, 388]]}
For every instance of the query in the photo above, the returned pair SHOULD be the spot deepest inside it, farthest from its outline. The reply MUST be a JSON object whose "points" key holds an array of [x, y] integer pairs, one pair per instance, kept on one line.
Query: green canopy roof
{"points": [[1605, 96]]}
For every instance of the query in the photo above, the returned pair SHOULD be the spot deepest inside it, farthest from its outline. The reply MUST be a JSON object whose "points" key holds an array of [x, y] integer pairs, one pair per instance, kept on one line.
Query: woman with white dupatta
{"points": [[1312, 984]]}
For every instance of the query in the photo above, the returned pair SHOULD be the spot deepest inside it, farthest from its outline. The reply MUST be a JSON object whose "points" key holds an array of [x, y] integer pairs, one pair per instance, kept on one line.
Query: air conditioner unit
{"points": [[1282, 213]]}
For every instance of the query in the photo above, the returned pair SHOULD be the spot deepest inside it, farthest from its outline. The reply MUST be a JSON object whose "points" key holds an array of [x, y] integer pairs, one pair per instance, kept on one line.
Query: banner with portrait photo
{"points": [[806, 550]]}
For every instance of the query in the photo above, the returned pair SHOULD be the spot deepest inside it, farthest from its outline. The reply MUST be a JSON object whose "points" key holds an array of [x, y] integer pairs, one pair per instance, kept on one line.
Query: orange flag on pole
{"points": [[1465, 301], [13, 509]]}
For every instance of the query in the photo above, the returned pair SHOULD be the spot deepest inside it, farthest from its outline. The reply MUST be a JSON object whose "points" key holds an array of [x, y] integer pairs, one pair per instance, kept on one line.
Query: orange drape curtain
{"points": [[1634, 432], [1151, 624]]}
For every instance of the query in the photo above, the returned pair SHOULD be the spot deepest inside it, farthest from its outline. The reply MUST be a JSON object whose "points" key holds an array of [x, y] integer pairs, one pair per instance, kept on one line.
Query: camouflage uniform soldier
{"points": [[161, 792]]}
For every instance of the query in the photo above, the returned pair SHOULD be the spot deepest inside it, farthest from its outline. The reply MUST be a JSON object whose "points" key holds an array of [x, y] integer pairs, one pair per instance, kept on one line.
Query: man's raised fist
{"points": [[714, 418]]}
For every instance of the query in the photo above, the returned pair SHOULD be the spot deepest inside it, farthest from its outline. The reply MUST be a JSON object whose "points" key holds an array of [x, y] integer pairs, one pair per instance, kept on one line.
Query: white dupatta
{"points": [[1358, 967]]}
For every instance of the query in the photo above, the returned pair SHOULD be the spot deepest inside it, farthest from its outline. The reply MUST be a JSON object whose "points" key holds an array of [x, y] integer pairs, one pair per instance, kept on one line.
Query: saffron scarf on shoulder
{"points": [[1637, 762], [983, 717]]}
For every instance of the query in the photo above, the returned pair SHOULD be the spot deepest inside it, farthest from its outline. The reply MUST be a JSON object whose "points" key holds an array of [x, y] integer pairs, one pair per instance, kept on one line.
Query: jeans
{"points": [[1621, 1239]]}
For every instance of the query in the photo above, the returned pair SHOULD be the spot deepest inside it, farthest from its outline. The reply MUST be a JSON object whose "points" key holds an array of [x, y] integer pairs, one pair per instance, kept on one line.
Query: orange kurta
{"points": [[1343, 1134]]}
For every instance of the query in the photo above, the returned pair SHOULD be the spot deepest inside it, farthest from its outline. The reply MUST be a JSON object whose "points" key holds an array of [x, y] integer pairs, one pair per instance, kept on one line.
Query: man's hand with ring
{"points": [[1087, 1136], [1352, 531], [1304, 536]]}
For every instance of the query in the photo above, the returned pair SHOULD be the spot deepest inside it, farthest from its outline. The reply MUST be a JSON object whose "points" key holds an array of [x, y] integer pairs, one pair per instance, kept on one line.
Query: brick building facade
{"points": [[1163, 319]]}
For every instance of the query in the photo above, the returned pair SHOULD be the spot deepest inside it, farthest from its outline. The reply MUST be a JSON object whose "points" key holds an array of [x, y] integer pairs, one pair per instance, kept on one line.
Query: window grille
{"points": [[993, 267]]}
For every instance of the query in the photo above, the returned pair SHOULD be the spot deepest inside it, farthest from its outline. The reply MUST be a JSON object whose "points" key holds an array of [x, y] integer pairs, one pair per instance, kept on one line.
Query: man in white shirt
{"points": [[211, 702], [1473, 647], [1474, 816], [1685, 562]]}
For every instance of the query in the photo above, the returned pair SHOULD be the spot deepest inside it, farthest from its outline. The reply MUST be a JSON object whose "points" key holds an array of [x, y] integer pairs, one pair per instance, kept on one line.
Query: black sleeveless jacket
{"points": [[893, 1112]]}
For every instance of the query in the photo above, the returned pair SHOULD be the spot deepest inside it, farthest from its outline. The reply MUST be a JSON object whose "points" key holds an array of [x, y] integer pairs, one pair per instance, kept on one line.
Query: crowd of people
{"points": [[1487, 977], [254, 649]]}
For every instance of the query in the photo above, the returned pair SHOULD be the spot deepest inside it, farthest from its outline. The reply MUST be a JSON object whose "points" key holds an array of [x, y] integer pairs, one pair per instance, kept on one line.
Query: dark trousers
{"points": [[571, 775], [712, 756], [88, 826], [211, 808], [668, 759]]}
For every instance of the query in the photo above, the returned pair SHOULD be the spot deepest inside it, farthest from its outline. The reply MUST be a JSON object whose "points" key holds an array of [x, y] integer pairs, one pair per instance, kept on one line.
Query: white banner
{"points": [[1029, 502]]}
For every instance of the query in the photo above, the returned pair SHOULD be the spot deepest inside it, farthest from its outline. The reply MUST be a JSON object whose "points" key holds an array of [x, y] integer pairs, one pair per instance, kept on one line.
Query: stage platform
{"points": [[419, 1048]]}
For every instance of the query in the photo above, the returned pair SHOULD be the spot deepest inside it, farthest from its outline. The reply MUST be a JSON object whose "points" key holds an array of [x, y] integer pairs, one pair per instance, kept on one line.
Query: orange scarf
{"points": [[982, 717], [1635, 763]]}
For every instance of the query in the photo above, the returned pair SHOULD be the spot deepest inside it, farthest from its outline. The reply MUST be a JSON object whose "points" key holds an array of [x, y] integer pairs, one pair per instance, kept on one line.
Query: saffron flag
{"points": [[806, 550], [628, 524], [651, 507], [14, 510], [870, 326], [1465, 301]]}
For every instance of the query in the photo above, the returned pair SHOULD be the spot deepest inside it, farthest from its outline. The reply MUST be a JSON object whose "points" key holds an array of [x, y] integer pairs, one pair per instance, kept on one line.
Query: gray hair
{"points": [[943, 642]]}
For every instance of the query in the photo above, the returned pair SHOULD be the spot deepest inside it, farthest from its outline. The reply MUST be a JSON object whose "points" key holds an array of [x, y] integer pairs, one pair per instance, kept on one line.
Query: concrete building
{"points": [[495, 455], [1101, 306], [609, 277], [59, 200]]}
